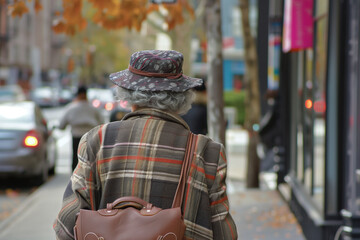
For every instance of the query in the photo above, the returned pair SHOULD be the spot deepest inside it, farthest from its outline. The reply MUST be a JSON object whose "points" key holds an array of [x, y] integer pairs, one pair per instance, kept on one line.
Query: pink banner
{"points": [[298, 25]]}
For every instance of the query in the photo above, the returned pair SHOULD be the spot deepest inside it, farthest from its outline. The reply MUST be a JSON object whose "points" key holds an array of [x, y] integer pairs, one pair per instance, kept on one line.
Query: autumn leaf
{"points": [[70, 29], [58, 26], [18, 8], [70, 65], [11, 193], [152, 8], [37, 6], [175, 14], [109, 14], [104, 4]]}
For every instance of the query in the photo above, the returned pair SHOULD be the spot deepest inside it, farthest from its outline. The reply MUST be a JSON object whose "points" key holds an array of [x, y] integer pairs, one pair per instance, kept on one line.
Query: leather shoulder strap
{"points": [[189, 153]]}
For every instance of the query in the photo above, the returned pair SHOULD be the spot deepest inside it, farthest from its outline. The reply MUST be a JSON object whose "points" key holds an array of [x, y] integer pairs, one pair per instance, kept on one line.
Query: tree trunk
{"points": [[215, 106], [181, 40], [252, 102]]}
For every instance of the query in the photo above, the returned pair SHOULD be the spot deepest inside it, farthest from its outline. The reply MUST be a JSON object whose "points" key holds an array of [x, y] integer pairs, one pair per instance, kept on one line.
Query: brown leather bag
{"points": [[131, 218]]}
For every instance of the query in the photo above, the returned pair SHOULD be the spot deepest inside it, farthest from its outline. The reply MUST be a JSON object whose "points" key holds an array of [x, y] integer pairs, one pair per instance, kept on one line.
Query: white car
{"points": [[11, 93], [27, 147]]}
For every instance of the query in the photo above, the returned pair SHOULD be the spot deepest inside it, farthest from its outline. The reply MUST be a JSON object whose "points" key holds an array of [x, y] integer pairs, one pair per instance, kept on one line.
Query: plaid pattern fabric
{"points": [[142, 156]]}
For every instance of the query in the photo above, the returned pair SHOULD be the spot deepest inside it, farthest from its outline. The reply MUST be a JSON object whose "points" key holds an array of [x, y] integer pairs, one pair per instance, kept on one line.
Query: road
{"points": [[15, 191], [64, 145]]}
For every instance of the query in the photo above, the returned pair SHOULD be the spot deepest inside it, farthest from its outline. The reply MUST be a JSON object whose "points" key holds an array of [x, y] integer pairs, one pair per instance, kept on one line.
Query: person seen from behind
{"points": [[81, 117], [196, 117], [142, 154]]}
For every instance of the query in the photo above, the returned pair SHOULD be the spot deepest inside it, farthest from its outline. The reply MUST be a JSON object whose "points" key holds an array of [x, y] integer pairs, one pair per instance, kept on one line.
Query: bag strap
{"points": [[189, 152]]}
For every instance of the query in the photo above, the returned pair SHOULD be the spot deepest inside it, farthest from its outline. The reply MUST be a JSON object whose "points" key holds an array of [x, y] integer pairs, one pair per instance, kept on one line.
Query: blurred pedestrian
{"points": [[81, 117], [196, 117], [142, 155]]}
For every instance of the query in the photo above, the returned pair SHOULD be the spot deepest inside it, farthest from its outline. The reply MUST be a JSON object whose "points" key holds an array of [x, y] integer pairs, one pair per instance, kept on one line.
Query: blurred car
{"points": [[65, 96], [101, 98], [11, 93], [119, 111], [27, 147], [45, 96]]}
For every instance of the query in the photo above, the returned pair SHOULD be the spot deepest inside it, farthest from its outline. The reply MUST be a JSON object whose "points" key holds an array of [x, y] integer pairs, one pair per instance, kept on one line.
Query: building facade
{"points": [[319, 170], [30, 51]]}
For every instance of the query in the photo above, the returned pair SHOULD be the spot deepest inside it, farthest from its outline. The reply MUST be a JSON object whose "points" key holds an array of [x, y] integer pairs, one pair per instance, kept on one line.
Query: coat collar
{"points": [[157, 113]]}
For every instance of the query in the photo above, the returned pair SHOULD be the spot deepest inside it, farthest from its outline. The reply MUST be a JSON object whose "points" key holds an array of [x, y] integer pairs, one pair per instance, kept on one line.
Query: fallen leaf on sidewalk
{"points": [[12, 193]]}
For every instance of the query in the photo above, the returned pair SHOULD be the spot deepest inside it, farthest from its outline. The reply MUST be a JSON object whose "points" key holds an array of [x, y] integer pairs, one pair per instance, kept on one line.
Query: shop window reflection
{"points": [[299, 139], [307, 121], [311, 112], [319, 108]]}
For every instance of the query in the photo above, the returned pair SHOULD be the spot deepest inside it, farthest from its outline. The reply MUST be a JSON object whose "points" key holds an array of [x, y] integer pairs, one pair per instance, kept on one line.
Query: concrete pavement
{"points": [[33, 219], [258, 213]]}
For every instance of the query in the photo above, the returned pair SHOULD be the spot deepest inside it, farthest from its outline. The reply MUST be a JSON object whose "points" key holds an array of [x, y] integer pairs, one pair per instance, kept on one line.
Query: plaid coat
{"points": [[142, 156]]}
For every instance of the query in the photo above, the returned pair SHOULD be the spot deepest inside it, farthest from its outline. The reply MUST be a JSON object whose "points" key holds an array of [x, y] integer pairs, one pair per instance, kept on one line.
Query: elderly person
{"points": [[142, 154]]}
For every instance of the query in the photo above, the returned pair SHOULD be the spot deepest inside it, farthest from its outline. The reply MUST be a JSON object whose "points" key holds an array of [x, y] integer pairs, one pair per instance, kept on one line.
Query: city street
{"points": [[286, 69], [259, 214]]}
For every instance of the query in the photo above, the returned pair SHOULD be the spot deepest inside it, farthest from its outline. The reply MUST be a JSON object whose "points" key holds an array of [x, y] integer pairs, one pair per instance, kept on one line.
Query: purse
{"points": [[131, 218]]}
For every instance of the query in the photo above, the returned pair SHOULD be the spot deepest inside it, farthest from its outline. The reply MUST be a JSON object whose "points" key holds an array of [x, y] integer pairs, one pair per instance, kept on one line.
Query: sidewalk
{"points": [[260, 214], [35, 216]]}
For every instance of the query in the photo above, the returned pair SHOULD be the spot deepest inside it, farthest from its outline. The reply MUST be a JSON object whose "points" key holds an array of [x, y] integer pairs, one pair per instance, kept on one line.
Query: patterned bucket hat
{"points": [[155, 70]]}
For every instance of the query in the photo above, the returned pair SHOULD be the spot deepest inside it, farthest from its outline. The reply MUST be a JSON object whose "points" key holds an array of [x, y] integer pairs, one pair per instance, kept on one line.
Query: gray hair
{"points": [[176, 102]]}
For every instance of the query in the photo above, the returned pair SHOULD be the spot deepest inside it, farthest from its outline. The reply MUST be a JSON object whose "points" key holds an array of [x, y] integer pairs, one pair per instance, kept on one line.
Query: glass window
{"points": [[300, 113], [311, 89], [307, 121], [319, 105], [10, 113]]}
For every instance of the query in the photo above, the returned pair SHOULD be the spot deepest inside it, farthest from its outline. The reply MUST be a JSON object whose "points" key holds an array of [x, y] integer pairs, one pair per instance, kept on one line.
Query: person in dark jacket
{"points": [[196, 117], [142, 154]]}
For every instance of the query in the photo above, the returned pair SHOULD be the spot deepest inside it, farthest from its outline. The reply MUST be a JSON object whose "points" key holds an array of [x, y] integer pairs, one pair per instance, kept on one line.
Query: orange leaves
{"points": [[103, 4], [72, 18], [70, 65], [175, 16], [60, 26], [18, 8], [109, 14], [37, 6], [153, 7], [121, 13]]}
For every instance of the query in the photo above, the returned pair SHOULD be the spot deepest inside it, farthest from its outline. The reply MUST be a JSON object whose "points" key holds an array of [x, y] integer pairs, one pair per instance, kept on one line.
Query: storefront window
{"points": [[311, 88], [308, 122], [319, 105], [300, 113]]}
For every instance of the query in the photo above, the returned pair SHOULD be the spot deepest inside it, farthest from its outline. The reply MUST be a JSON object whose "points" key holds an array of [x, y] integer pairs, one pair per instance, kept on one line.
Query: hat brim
{"points": [[128, 80]]}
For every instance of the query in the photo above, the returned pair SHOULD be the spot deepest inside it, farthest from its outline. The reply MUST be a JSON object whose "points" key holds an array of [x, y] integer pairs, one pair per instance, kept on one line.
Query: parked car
{"points": [[103, 99], [27, 147], [119, 111], [11, 93], [65, 96], [45, 96]]}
